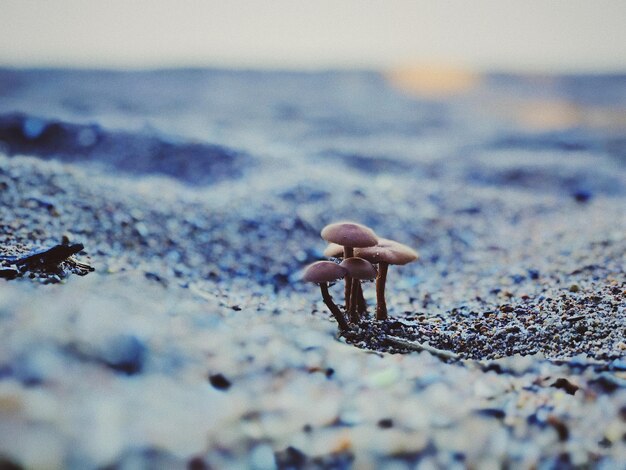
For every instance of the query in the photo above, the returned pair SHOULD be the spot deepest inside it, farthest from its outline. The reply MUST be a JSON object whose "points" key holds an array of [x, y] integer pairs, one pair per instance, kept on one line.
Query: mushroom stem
{"points": [[361, 304], [328, 300], [381, 279], [354, 296], [348, 252]]}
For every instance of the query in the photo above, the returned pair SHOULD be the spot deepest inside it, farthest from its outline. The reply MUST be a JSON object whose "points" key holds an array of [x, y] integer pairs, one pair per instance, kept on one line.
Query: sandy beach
{"points": [[180, 336]]}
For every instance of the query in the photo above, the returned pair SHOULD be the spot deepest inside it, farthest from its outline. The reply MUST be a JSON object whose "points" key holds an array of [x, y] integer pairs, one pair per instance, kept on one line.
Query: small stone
{"points": [[607, 383], [618, 364], [350, 417], [291, 458], [155, 277], [582, 196], [219, 381], [384, 378], [33, 127], [385, 423], [125, 353], [197, 463], [142, 229], [491, 413], [559, 426], [566, 385], [574, 288], [262, 458], [9, 273]]}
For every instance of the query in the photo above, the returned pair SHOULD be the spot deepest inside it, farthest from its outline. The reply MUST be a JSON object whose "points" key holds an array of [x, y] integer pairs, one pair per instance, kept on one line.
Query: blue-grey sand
{"points": [[181, 336]]}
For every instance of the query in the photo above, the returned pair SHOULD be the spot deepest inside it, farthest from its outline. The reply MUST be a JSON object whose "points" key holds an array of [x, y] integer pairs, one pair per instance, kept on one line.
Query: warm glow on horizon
{"points": [[433, 80]]}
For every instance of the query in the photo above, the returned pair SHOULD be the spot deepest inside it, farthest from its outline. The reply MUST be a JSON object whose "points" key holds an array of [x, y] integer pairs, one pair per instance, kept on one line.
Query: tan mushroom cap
{"points": [[349, 234], [388, 251], [333, 250], [323, 271], [359, 268]]}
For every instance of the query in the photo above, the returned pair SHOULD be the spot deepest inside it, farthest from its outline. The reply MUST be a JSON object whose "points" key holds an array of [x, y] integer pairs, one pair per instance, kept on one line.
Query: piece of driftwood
{"points": [[415, 346], [48, 258], [49, 264]]}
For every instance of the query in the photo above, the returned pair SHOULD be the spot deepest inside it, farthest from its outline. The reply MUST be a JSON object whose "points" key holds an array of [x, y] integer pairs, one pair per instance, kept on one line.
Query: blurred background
{"points": [[281, 78], [494, 35]]}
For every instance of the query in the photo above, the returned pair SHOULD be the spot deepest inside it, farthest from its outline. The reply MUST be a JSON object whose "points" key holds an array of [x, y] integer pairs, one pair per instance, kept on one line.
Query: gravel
{"points": [[192, 344]]}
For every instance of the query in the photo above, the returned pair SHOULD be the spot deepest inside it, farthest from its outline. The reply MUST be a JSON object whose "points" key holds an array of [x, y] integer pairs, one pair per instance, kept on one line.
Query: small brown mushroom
{"points": [[333, 250], [349, 235], [385, 253], [323, 272], [359, 269]]}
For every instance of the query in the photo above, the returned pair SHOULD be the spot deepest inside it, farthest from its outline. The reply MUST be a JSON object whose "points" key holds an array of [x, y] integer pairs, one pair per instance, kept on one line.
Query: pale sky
{"points": [[525, 35]]}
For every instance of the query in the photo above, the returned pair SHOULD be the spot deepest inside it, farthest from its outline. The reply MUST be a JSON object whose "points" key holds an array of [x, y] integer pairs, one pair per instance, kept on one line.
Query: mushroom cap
{"points": [[359, 268], [333, 250], [349, 234], [388, 251], [323, 271]]}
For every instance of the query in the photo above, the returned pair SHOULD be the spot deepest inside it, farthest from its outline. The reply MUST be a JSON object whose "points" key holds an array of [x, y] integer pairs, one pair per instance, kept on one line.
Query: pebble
{"points": [[262, 458], [126, 354], [219, 381]]}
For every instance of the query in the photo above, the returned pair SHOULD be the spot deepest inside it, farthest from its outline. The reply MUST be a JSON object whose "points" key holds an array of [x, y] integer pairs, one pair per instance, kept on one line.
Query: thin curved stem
{"points": [[348, 252], [328, 300], [361, 305], [354, 297]]}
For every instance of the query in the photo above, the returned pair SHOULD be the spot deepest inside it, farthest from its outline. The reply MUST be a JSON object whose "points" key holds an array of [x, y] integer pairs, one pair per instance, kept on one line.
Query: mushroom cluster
{"points": [[357, 254]]}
